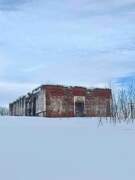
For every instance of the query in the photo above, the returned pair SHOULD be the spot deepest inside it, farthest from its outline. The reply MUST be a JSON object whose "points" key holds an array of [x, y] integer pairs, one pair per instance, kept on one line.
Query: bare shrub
{"points": [[123, 104]]}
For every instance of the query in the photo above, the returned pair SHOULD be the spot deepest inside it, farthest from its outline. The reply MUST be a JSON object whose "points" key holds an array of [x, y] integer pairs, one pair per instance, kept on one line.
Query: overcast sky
{"points": [[72, 42]]}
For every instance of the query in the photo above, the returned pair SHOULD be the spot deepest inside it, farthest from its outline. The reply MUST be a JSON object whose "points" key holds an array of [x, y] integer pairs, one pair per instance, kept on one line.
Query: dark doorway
{"points": [[79, 109]]}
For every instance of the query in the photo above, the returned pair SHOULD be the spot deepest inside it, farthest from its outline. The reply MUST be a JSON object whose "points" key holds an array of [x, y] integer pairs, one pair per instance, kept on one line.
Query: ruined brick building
{"points": [[61, 101]]}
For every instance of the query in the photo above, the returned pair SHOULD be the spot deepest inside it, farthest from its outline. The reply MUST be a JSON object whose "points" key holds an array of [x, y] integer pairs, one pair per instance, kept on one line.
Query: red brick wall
{"points": [[60, 101], [98, 102]]}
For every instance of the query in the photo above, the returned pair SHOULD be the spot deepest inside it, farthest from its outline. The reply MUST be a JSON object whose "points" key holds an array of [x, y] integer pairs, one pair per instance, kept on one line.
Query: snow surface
{"points": [[66, 149]]}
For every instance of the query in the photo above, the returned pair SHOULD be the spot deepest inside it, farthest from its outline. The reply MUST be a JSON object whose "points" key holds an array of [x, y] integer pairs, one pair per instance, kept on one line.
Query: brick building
{"points": [[61, 101]]}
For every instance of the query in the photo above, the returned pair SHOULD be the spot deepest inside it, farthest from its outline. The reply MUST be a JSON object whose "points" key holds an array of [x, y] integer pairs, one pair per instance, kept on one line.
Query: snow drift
{"points": [[65, 149]]}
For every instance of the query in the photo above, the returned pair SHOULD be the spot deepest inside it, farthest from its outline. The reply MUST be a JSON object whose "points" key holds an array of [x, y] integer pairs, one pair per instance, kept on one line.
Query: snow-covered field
{"points": [[65, 149]]}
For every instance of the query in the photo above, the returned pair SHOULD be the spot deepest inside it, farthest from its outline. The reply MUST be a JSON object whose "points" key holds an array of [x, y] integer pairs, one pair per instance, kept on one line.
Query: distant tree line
{"points": [[4, 111]]}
